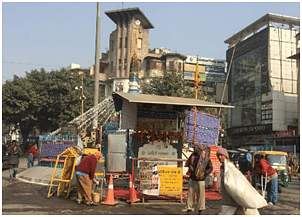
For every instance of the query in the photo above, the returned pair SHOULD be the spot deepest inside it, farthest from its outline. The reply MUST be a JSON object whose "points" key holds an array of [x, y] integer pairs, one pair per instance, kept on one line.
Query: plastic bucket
{"points": [[96, 197]]}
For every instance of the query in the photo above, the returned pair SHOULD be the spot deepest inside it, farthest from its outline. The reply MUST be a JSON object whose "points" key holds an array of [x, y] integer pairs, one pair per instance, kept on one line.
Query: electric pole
{"points": [[97, 62]]}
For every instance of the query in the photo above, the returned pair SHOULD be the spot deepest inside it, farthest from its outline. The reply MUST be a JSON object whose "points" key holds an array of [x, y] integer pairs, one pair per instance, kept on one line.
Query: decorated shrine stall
{"points": [[157, 127]]}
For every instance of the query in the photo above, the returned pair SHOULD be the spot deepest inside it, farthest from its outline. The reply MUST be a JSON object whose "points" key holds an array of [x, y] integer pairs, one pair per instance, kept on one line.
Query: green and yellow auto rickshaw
{"points": [[278, 160]]}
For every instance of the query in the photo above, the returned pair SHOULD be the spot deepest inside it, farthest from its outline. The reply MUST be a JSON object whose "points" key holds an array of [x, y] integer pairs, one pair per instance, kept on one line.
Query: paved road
{"points": [[21, 198]]}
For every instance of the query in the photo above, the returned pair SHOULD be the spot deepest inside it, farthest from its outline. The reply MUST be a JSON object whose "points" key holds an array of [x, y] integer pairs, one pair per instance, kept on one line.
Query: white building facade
{"points": [[263, 81]]}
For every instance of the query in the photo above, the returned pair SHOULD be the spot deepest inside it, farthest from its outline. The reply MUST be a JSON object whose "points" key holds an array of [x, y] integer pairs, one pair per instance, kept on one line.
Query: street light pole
{"points": [[97, 62]]}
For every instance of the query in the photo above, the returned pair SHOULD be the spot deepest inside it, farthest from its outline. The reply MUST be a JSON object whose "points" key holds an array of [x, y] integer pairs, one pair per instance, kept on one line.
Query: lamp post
{"points": [[82, 96]]}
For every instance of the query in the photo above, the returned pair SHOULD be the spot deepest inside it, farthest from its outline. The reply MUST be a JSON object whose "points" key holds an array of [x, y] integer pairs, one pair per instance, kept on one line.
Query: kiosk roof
{"points": [[167, 100]]}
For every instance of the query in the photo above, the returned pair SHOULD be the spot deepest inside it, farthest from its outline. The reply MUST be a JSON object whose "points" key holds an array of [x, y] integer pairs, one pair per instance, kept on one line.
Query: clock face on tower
{"points": [[137, 22]]}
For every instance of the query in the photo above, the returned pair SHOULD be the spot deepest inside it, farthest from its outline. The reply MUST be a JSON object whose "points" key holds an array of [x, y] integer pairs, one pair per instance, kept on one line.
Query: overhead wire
{"points": [[36, 64]]}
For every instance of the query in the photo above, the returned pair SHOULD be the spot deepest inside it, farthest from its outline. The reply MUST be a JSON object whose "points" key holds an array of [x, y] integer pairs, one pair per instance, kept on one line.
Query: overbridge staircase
{"points": [[103, 111]]}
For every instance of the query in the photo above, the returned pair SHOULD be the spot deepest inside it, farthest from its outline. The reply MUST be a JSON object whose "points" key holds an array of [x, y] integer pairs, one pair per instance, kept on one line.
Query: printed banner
{"points": [[171, 179], [149, 178], [213, 156]]}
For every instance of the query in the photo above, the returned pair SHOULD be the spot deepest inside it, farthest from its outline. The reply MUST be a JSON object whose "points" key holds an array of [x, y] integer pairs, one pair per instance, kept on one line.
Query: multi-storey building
{"points": [[122, 44], [263, 83], [152, 62]]}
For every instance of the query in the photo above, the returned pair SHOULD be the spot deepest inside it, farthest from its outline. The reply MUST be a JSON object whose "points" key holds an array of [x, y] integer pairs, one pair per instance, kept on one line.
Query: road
{"points": [[21, 198]]}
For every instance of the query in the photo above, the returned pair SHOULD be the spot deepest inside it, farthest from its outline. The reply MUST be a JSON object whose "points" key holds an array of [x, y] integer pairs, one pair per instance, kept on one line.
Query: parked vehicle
{"points": [[278, 160], [239, 159]]}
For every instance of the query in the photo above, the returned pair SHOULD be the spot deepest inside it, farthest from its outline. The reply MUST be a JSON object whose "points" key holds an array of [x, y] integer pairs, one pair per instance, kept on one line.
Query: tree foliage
{"points": [[46, 100], [172, 83]]}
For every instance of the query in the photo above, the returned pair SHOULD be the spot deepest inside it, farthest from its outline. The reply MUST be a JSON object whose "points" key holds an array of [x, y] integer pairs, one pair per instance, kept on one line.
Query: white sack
{"points": [[240, 189]]}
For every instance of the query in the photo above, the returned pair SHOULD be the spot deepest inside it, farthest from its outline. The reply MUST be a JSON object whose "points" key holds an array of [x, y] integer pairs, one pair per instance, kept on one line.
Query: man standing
{"points": [[263, 167], [200, 166], [249, 159], [14, 153], [85, 176]]}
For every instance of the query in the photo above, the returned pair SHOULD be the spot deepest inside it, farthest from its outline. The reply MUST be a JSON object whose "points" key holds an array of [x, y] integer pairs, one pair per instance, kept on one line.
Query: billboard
{"points": [[206, 61], [192, 68]]}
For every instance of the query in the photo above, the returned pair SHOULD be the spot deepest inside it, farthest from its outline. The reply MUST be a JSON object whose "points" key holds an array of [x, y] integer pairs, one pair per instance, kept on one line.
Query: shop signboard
{"points": [[215, 69], [219, 78], [192, 68], [189, 76], [158, 150], [171, 179], [249, 130], [156, 120], [286, 133]]}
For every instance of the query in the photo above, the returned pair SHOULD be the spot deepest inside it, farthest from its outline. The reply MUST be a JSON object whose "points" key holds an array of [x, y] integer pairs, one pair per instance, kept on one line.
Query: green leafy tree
{"points": [[172, 83], [46, 100]]}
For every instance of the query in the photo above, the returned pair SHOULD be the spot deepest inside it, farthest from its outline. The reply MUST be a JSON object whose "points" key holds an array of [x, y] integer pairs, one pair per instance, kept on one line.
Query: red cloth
{"points": [[88, 165], [264, 167], [32, 149]]}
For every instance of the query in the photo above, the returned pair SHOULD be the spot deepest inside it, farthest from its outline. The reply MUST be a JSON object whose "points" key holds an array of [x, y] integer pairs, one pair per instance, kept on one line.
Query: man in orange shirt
{"points": [[263, 167]]}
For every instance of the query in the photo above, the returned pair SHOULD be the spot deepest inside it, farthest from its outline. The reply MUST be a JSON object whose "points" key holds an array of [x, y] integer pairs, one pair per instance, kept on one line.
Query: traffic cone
{"points": [[110, 194], [132, 192], [215, 183], [249, 178]]}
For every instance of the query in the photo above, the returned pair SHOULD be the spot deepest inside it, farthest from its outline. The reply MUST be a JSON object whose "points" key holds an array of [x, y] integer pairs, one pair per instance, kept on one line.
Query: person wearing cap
{"points": [[263, 167], [197, 184], [85, 176], [229, 205]]}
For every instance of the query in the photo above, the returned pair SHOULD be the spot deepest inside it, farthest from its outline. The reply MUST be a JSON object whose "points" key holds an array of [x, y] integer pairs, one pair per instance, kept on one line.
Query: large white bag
{"points": [[240, 189]]}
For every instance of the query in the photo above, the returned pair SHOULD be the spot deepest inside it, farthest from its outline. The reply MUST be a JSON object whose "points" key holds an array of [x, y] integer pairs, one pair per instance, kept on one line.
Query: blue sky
{"points": [[54, 35]]}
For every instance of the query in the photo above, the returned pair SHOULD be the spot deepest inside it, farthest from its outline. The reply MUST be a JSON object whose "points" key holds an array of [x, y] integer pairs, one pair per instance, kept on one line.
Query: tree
{"points": [[46, 100], [172, 83]]}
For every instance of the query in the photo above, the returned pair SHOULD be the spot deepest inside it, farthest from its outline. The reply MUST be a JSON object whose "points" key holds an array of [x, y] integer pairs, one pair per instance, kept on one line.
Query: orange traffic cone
{"points": [[132, 191], [215, 183], [110, 194], [249, 178]]}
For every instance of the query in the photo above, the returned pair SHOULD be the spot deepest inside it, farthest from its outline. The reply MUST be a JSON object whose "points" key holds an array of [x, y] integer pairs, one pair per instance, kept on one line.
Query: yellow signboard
{"points": [[170, 180]]}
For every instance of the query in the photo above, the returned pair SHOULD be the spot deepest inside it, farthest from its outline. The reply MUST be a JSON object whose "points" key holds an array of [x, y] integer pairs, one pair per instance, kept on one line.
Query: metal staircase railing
{"points": [[103, 110]]}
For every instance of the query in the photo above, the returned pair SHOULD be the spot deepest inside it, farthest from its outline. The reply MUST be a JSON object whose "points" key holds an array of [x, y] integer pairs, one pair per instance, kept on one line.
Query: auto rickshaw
{"points": [[278, 160]]}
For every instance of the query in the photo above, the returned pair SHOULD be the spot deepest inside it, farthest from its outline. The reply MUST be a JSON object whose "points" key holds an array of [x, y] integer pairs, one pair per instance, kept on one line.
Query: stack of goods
{"points": [[206, 130]]}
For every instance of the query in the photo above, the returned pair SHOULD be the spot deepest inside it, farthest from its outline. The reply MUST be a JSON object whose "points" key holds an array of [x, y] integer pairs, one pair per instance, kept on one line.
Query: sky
{"points": [[52, 35]]}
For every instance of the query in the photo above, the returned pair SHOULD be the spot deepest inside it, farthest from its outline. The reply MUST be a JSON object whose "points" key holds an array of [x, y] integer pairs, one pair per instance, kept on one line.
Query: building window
{"points": [[120, 64], [171, 65], [179, 67], [125, 65], [139, 43], [152, 65], [126, 42]]}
